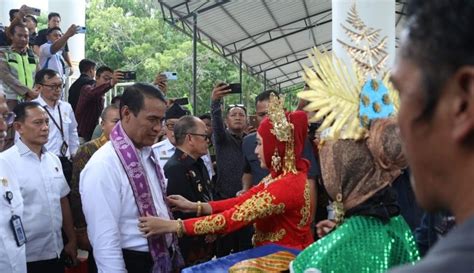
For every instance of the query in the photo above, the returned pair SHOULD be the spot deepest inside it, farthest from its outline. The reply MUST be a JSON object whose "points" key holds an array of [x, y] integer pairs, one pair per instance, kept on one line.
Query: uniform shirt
{"points": [[12, 257], [55, 139], [52, 61], [42, 186], [110, 210]]}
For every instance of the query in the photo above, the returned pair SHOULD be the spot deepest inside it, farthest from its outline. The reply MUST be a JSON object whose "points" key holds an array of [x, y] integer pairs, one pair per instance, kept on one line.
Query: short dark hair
{"points": [[12, 14], [12, 28], [53, 14], [205, 116], [32, 18], [115, 99], [184, 126], [134, 95], [50, 30], [265, 95], [20, 109], [439, 40], [103, 69], [107, 109], [86, 65], [45, 72]]}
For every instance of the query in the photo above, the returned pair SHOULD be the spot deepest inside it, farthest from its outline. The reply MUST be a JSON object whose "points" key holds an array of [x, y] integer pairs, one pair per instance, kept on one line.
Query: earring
{"points": [[276, 161], [338, 207]]}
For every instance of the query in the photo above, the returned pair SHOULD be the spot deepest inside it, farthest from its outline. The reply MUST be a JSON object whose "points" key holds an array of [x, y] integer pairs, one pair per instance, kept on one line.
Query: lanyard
{"points": [[8, 194], [64, 145]]}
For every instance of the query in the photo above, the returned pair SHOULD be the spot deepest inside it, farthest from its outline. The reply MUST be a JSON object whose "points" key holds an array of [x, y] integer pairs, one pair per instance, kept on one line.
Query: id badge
{"points": [[64, 147], [18, 231]]}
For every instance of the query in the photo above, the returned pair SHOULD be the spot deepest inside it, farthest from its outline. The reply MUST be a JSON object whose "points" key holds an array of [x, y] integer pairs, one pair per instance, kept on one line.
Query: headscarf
{"points": [[360, 168], [299, 123]]}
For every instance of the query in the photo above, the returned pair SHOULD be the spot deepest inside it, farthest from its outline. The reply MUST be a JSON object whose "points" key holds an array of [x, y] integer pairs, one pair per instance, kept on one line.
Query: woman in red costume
{"points": [[279, 206]]}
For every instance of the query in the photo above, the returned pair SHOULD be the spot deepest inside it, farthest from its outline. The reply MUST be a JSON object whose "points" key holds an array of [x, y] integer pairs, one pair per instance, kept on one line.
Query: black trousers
{"points": [[49, 266], [137, 261]]}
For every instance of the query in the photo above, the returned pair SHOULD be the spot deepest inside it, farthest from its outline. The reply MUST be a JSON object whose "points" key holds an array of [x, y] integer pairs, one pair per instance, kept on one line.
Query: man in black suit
{"points": [[187, 176]]}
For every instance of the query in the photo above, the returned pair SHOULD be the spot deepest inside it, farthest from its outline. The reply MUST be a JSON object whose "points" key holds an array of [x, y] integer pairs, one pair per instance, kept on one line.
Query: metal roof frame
{"points": [[268, 39]]}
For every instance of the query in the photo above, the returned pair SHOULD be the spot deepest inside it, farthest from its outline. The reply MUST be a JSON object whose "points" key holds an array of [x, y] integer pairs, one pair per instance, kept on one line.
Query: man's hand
{"points": [[83, 240], [32, 94], [71, 31], [116, 77], [71, 250], [220, 91], [162, 82]]}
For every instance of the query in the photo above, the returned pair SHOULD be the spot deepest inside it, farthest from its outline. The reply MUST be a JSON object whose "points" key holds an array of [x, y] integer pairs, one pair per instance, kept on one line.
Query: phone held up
{"points": [[171, 76], [235, 88], [80, 29], [129, 75]]}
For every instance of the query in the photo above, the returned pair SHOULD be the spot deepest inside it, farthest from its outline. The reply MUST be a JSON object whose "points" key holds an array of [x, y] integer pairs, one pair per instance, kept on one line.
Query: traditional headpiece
{"points": [[283, 138], [349, 101]]}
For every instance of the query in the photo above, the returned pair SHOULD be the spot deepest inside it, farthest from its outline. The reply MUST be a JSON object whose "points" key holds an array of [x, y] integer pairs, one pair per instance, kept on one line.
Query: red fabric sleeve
{"points": [[222, 205]]}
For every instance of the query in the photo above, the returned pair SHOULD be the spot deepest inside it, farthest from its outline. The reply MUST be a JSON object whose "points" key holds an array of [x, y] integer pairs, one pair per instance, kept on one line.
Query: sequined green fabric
{"points": [[360, 244]]}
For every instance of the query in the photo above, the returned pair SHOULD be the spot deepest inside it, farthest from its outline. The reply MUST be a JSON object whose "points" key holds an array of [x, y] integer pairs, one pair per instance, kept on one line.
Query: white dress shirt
{"points": [[110, 210], [55, 61], [12, 256], [55, 139], [42, 185]]}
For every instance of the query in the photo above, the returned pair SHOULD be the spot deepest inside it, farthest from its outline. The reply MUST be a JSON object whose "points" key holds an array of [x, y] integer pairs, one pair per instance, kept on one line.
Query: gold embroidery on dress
{"points": [[258, 206], [210, 224], [306, 207], [267, 236]]}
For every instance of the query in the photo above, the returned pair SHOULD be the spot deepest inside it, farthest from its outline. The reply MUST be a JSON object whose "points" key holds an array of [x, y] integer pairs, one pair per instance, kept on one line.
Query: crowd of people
{"points": [[143, 185]]}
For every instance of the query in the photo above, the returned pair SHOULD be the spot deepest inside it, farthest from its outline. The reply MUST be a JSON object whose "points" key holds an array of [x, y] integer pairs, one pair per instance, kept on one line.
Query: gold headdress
{"points": [[283, 130], [340, 96]]}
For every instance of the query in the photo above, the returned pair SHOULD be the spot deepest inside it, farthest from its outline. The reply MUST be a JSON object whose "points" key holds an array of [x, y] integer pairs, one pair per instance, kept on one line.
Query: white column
{"points": [[377, 14], [72, 12]]}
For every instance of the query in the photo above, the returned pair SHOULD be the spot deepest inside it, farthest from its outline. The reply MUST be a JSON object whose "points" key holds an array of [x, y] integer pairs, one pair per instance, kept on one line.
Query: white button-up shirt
{"points": [[12, 256], [55, 139], [110, 210], [42, 185]]}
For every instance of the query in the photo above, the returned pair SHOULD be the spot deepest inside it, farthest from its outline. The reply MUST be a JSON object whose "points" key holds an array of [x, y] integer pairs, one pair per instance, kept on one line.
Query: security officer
{"points": [[165, 148], [187, 176]]}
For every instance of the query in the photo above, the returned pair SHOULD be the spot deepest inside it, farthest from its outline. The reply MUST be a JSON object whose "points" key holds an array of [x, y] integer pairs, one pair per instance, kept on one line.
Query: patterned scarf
{"points": [[129, 158]]}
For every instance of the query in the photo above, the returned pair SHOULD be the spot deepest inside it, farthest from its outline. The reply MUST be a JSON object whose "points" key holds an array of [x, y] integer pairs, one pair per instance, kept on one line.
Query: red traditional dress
{"points": [[279, 209], [280, 205]]}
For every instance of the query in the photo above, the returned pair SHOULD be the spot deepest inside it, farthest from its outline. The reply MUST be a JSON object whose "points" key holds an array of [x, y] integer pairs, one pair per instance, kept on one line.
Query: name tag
{"points": [[18, 231]]}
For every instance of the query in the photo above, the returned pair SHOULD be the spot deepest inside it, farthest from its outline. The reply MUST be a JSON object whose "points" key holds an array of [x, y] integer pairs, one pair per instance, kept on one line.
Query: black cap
{"points": [[175, 111]]}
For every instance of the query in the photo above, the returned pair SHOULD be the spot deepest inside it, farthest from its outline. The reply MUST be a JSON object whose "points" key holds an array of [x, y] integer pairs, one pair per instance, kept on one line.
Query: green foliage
{"points": [[131, 35]]}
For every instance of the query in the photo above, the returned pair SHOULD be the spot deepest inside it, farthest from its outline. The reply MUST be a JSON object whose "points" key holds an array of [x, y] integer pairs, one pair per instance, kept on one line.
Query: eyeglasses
{"points": [[170, 126], [206, 137], [241, 106], [53, 86], [8, 117]]}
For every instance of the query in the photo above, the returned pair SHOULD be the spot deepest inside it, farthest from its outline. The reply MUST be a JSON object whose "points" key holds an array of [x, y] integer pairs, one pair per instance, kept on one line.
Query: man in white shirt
{"points": [[63, 138], [51, 53], [108, 192], [44, 191], [12, 256]]}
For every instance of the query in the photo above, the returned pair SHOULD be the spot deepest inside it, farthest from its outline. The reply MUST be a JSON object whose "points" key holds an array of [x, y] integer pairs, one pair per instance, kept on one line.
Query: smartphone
{"points": [[235, 88], [181, 101], [172, 76], [34, 11], [129, 75], [80, 29], [253, 121]]}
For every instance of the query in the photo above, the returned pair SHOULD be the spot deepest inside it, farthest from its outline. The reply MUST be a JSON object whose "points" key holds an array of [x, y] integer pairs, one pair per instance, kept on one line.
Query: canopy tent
{"points": [[270, 38]]}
